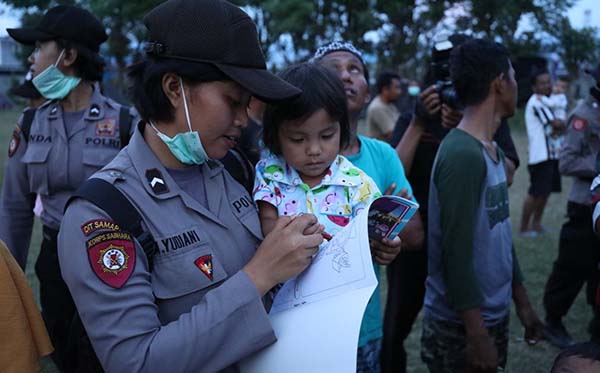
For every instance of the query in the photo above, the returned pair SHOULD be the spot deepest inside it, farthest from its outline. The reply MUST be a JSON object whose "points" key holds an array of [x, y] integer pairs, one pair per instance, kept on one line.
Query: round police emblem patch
{"points": [[113, 259], [579, 124], [13, 145]]}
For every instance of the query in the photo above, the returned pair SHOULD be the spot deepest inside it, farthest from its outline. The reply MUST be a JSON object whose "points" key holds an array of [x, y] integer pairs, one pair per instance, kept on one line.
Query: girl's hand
{"points": [[385, 252]]}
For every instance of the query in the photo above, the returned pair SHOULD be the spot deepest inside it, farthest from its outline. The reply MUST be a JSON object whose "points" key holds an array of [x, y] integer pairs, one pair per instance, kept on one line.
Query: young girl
{"points": [[304, 173]]}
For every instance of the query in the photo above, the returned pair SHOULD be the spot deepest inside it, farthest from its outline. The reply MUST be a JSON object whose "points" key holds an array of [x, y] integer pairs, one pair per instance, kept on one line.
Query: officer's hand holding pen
{"points": [[285, 252]]}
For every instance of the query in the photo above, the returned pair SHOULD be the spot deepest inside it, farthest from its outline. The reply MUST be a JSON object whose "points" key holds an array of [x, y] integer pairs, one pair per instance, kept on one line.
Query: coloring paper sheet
{"points": [[317, 315], [342, 264]]}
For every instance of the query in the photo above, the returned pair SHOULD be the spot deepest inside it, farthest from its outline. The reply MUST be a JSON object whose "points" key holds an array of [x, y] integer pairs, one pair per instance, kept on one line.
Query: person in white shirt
{"points": [[545, 134]]}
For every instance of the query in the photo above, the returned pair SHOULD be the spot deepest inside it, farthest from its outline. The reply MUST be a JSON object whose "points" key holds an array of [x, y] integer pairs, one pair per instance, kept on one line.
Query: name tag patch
{"points": [[98, 141], [39, 138], [179, 241]]}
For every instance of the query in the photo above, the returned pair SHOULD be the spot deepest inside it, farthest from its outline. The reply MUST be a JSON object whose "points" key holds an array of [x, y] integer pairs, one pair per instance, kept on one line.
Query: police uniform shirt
{"points": [[196, 311], [53, 162], [581, 145]]}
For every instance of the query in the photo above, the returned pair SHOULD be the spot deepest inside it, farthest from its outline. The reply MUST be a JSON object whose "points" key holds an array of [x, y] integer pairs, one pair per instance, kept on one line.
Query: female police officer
{"points": [[57, 147], [198, 306]]}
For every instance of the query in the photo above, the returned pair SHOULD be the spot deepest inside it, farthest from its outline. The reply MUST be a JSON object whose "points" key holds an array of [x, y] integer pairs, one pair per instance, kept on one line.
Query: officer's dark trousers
{"points": [[406, 277], [577, 263], [57, 305]]}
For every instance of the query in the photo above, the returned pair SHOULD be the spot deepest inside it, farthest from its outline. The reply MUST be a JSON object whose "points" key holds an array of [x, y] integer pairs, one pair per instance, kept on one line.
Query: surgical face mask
{"points": [[414, 90], [53, 84], [186, 147]]}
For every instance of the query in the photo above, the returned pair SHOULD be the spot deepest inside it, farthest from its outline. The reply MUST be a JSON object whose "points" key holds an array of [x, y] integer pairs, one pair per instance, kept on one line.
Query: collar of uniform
{"points": [[144, 159], [213, 168], [53, 108], [95, 109]]}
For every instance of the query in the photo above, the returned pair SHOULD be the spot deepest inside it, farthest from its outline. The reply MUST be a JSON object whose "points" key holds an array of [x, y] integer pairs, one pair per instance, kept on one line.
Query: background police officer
{"points": [[68, 138], [578, 250]]}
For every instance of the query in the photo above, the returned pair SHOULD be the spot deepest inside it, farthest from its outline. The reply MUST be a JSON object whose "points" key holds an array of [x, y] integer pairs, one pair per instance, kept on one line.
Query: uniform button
{"points": [[115, 174]]}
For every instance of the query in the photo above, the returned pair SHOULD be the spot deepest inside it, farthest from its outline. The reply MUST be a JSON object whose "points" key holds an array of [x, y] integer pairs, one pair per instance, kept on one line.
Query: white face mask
{"points": [[186, 147]]}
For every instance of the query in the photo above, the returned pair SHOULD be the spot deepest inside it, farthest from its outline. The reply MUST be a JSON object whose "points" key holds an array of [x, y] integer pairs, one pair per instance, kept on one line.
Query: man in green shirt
{"points": [[473, 272]]}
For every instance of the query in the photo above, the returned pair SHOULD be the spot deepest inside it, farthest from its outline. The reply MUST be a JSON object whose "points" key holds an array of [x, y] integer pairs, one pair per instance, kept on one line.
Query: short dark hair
{"points": [[89, 65], [474, 65], [535, 73], [145, 84], [385, 79], [586, 350], [321, 89]]}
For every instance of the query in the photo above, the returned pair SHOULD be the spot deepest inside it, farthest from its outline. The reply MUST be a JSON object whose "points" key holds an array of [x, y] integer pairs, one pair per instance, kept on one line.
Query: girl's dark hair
{"points": [[321, 89], [89, 65], [145, 84]]}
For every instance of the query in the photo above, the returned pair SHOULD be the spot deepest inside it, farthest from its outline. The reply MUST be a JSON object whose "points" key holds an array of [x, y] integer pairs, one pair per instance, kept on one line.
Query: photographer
{"points": [[418, 138]]}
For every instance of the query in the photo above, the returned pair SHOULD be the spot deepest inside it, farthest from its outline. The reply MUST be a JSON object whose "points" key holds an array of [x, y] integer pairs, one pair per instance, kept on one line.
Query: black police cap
{"points": [[64, 22], [215, 32]]}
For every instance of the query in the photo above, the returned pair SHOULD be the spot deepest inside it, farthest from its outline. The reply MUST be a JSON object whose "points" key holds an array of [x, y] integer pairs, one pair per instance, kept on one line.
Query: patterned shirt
{"points": [[344, 191]]}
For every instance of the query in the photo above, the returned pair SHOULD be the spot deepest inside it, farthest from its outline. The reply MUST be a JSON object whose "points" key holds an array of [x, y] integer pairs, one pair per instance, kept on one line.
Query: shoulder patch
{"points": [[98, 224], [579, 124], [112, 257], [14, 142]]}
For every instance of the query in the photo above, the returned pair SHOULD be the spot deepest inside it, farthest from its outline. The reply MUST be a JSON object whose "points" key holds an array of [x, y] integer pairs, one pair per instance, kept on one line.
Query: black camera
{"points": [[440, 66]]}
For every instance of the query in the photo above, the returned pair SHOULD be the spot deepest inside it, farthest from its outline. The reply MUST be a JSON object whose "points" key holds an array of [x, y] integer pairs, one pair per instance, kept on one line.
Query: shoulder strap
{"points": [[240, 168], [107, 197], [124, 125], [28, 115]]}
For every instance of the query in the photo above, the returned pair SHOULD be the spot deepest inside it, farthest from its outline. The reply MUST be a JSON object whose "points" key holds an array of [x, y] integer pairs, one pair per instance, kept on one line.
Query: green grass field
{"points": [[536, 256]]}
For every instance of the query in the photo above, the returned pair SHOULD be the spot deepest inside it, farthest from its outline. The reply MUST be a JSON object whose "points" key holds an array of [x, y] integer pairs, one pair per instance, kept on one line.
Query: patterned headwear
{"points": [[336, 46]]}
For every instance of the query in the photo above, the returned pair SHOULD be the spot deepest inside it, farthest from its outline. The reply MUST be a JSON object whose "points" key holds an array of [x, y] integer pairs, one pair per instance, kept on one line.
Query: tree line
{"points": [[395, 33]]}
